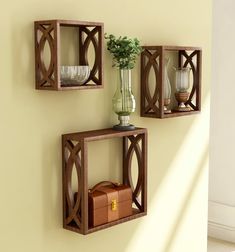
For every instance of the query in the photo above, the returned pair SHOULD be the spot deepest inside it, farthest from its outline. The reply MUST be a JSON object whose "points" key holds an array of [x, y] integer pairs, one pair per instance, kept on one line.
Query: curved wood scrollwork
{"points": [[150, 60], [44, 34], [153, 103], [135, 143], [192, 63], [48, 47], [75, 158], [91, 38], [73, 203]]}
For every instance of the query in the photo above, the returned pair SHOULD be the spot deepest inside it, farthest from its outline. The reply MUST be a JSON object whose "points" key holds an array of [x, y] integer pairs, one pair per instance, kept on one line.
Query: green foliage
{"points": [[124, 50]]}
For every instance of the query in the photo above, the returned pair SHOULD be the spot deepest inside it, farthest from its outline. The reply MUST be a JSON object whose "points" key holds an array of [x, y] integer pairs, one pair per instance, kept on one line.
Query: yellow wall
{"points": [[32, 122]]}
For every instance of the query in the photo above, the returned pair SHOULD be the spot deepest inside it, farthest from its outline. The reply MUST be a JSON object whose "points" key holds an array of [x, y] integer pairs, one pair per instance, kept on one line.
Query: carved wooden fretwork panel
{"points": [[45, 73], [152, 91]]}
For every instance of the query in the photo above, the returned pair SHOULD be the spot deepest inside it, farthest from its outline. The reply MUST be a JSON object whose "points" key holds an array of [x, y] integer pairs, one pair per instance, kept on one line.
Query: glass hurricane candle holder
{"points": [[166, 88], [182, 84]]}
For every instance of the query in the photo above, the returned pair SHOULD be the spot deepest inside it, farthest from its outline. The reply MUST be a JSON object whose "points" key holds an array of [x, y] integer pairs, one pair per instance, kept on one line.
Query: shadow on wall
{"points": [[186, 203], [22, 56], [167, 169], [171, 190], [172, 181]]}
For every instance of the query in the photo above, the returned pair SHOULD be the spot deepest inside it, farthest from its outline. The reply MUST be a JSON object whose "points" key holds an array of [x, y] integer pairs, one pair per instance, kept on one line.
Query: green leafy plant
{"points": [[124, 50]]}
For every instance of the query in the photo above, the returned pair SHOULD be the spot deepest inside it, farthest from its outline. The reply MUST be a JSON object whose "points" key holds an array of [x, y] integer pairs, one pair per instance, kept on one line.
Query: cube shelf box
{"points": [[48, 31], [152, 103], [75, 154]]}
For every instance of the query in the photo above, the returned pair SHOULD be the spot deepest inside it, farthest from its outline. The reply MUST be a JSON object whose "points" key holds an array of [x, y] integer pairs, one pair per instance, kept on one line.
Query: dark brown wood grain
{"points": [[152, 105], [161, 82], [199, 65], [149, 59], [45, 77], [75, 152], [48, 31]]}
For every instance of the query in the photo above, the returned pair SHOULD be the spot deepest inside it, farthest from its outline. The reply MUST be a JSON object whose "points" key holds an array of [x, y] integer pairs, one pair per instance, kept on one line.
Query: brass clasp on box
{"points": [[114, 205]]}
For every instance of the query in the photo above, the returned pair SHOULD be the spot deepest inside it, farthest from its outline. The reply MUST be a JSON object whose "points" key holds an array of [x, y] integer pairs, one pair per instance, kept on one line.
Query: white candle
{"points": [[182, 79]]}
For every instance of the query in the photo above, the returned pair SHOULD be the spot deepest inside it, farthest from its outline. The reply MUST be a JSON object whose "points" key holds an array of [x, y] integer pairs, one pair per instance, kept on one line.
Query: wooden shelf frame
{"points": [[48, 31], [153, 56], [75, 154]]}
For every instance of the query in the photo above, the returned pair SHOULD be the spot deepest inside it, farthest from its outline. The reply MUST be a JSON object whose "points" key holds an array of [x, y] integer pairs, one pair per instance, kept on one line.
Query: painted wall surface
{"points": [[222, 172], [32, 123]]}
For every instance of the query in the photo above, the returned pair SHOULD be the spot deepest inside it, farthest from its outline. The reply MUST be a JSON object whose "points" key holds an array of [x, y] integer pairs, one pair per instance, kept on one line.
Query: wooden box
{"points": [[109, 202]]}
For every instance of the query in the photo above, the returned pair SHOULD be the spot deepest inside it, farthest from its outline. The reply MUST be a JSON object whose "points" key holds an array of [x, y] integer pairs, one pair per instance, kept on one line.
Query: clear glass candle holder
{"points": [[182, 85]]}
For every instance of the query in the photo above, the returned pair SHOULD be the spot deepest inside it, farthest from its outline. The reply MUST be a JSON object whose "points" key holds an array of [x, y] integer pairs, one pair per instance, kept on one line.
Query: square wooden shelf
{"points": [[49, 32], [75, 154], [152, 91]]}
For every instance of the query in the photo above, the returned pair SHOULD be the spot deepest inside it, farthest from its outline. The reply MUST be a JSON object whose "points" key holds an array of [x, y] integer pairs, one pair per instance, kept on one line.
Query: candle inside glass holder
{"points": [[166, 88], [182, 84]]}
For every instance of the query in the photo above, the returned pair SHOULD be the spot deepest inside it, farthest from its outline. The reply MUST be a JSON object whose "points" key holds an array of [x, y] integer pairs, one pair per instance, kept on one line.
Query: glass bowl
{"points": [[74, 75]]}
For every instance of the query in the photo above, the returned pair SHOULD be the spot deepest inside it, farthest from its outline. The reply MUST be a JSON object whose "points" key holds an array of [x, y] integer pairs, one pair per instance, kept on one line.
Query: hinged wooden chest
{"points": [[109, 202]]}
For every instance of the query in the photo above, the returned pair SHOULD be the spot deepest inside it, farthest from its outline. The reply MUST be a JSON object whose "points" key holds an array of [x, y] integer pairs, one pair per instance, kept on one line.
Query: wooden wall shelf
{"points": [[75, 153], [152, 92], [48, 31]]}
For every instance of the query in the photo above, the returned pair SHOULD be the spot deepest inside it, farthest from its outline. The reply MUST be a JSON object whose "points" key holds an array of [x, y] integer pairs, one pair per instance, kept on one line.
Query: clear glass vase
{"points": [[182, 85], [166, 87], [124, 101]]}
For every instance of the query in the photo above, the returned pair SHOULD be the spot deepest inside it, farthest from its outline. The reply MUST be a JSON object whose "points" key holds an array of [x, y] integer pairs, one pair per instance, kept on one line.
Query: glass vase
{"points": [[182, 84], [124, 101], [166, 87]]}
